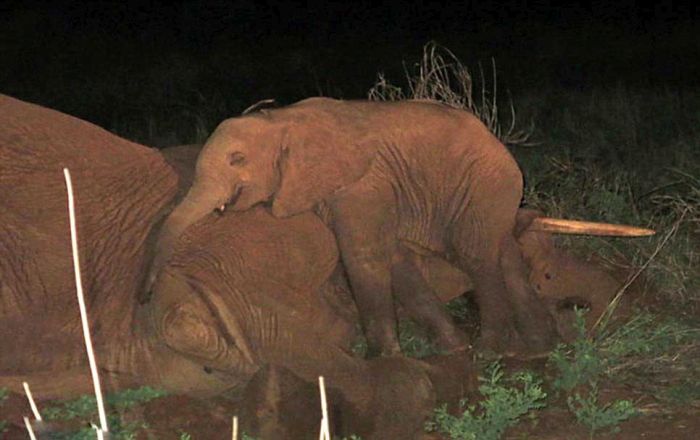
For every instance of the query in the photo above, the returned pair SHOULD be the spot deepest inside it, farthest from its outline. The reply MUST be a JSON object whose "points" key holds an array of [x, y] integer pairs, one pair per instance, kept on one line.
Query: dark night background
{"points": [[120, 63]]}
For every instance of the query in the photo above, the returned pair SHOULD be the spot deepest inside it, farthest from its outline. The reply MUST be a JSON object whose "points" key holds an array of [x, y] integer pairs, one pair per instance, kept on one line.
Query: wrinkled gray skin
{"points": [[395, 177], [560, 279], [219, 312]]}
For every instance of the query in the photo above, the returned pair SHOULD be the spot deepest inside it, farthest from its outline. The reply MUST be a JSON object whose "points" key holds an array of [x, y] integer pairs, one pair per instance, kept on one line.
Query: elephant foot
{"points": [[374, 351], [513, 344], [504, 342]]}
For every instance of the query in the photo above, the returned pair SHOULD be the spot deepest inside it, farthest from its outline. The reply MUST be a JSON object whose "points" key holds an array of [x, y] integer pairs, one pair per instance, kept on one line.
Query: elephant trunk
{"points": [[197, 204]]}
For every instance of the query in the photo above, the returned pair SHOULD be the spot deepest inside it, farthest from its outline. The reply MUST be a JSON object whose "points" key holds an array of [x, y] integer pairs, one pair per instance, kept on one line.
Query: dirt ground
{"points": [[171, 416]]}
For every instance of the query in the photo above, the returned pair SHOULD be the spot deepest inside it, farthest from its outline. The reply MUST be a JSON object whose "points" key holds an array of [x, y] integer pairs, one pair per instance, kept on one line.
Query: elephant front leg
{"points": [[364, 223]]}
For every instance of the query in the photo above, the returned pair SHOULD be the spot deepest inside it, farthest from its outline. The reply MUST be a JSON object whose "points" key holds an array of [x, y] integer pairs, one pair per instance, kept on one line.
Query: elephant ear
{"points": [[317, 159]]}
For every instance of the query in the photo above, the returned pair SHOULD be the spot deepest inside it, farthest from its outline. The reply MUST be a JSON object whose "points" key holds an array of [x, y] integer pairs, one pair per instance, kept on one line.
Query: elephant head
{"points": [[264, 157], [560, 279]]}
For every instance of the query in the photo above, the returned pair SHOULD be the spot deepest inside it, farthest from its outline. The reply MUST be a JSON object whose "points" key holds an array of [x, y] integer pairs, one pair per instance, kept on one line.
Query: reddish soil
{"points": [[169, 417]]}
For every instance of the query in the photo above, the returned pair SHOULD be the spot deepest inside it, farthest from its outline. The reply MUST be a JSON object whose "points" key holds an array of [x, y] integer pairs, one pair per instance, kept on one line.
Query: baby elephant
{"points": [[397, 178]]}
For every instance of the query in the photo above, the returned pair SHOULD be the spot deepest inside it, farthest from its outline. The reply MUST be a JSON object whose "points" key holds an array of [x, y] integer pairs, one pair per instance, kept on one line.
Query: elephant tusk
{"points": [[221, 208], [577, 227]]}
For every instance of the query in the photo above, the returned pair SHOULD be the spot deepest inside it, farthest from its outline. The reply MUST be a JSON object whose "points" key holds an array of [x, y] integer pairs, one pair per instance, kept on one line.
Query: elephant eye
{"points": [[547, 275], [236, 158]]}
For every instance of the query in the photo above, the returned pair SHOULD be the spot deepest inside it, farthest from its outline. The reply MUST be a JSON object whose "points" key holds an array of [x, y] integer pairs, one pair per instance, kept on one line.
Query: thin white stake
{"points": [[98, 431], [325, 433], [234, 436], [29, 428], [81, 304], [28, 392]]}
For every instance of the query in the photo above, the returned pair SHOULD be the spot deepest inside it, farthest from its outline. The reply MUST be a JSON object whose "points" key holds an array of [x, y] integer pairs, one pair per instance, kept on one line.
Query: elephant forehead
{"points": [[298, 248], [240, 129]]}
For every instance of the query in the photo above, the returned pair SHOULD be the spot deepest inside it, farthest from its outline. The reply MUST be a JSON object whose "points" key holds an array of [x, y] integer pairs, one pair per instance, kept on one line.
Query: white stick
{"points": [[325, 433], [29, 428], [234, 436], [28, 392], [98, 431], [81, 304]]}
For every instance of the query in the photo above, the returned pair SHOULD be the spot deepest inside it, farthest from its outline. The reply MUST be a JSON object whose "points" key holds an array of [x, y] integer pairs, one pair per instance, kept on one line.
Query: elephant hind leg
{"points": [[421, 302]]}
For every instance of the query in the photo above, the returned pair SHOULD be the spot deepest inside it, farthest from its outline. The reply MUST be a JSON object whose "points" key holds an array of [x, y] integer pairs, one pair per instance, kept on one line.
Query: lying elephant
{"points": [[219, 312], [560, 279], [397, 179], [390, 173]]}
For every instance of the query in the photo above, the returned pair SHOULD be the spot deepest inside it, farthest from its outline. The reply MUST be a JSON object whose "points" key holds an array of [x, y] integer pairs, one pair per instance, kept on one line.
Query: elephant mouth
{"points": [[231, 201]]}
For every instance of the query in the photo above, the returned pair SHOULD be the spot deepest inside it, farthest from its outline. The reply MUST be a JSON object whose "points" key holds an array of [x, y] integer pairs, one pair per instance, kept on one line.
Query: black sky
{"points": [[274, 48]]}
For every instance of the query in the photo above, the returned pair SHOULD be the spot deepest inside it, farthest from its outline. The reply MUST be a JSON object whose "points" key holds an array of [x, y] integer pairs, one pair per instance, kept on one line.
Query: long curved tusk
{"points": [[561, 226]]}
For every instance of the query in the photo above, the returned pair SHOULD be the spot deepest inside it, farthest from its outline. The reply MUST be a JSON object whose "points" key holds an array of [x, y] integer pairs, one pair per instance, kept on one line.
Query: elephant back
{"points": [[120, 187]]}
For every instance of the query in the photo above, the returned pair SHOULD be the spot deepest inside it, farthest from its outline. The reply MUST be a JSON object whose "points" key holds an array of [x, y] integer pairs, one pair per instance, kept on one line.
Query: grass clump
{"points": [[578, 363], [644, 344], [412, 339], [86, 406], [441, 77], [642, 349], [588, 412], [3, 395], [506, 400]]}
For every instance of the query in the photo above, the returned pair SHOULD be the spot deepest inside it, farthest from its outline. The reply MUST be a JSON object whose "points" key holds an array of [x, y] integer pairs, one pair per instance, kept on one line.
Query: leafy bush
{"points": [[502, 408], [579, 363], [86, 406], [589, 414]]}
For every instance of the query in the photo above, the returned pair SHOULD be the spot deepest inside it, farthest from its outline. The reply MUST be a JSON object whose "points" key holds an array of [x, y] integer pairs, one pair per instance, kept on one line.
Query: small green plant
{"points": [[579, 363], [412, 340], [3, 395], [86, 406], [117, 430], [501, 408], [413, 343], [595, 417], [684, 393], [185, 436]]}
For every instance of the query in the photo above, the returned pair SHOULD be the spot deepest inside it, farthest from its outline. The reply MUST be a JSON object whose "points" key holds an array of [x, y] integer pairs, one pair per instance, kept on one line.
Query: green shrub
{"points": [[595, 417], [578, 363], [501, 408]]}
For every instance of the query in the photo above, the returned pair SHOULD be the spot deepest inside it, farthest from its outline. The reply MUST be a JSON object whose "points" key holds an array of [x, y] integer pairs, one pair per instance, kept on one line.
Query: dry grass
{"points": [[441, 77]]}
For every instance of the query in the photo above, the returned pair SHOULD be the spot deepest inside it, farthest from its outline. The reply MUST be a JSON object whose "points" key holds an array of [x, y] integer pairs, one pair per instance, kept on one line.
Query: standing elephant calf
{"points": [[396, 177]]}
